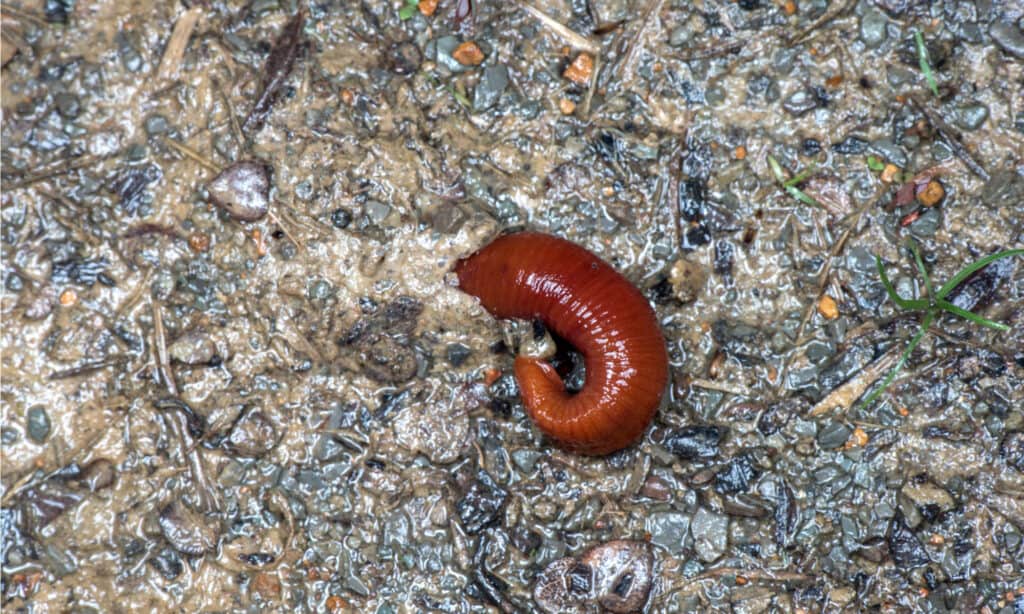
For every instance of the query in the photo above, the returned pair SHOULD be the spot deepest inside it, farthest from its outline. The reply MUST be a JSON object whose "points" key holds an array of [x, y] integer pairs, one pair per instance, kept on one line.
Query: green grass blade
{"points": [[798, 194], [972, 268], [796, 179], [973, 317], [776, 169], [920, 266], [896, 298], [922, 58], [925, 324]]}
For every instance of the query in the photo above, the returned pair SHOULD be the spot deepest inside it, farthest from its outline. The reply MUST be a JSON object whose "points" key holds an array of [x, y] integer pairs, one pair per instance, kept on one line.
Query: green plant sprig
{"points": [[933, 306], [922, 60], [790, 184]]}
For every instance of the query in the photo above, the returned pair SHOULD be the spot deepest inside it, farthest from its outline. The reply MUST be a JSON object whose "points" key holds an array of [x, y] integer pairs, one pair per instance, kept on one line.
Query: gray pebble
{"points": [[243, 190], [873, 26], [972, 116], [377, 211], [492, 83], [668, 530], [38, 424], [193, 348], [899, 75], [679, 36], [156, 124], [441, 51], [800, 102], [833, 435], [1008, 36], [926, 225], [890, 152], [67, 105], [710, 534], [526, 459]]}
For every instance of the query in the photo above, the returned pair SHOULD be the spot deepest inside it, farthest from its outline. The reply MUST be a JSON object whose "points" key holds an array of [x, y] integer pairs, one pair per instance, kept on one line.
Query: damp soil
{"points": [[237, 374]]}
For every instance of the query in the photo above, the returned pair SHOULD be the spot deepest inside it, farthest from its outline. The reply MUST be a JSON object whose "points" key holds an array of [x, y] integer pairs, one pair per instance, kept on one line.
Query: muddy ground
{"points": [[237, 374]]}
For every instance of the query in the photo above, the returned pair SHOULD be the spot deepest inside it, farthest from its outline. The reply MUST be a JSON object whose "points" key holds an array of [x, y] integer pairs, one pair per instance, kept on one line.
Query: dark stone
{"points": [[695, 442], [482, 503], [457, 354], [167, 564], [1012, 449], [904, 546], [38, 426], [341, 218], [252, 435], [851, 145], [737, 475]]}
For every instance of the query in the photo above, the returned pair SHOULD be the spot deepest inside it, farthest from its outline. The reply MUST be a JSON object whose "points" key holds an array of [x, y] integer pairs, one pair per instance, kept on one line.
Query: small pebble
{"points": [[800, 102], [1008, 36], [492, 84], [243, 190], [972, 116], [38, 424], [873, 28]]}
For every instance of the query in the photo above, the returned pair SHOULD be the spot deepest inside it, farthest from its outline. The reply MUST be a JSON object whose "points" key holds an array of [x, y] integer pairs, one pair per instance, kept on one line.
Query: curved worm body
{"points": [[585, 301]]}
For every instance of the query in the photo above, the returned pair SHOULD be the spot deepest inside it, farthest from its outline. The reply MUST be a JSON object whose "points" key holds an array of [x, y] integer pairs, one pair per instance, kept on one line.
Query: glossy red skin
{"points": [[585, 301]]}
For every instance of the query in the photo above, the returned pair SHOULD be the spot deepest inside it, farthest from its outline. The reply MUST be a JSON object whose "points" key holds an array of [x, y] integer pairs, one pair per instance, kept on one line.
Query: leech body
{"points": [[586, 302]]}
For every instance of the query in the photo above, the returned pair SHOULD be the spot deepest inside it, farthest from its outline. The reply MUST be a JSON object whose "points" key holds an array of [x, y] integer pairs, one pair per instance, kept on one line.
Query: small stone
{"points": [[800, 102], [580, 70], [243, 190], [873, 28], [694, 442], [376, 211], [492, 84], [193, 348], [566, 106], [710, 534], [688, 279], [444, 48], [341, 218], [253, 435], [526, 459], [827, 307], [157, 124], [668, 530], [38, 426], [931, 194], [457, 354], [187, 531], [833, 434], [67, 105], [679, 36], [468, 54], [1007, 36], [448, 218], [482, 503], [1011, 449], [890, 151], [972, 116]]}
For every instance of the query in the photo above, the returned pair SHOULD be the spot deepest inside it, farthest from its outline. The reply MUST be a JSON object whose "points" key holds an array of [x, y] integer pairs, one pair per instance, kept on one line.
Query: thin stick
{"points": [[576, 40], [191, 153], [720, 387], [160, 343], [844, 396], [179, 40], [52, 172]]}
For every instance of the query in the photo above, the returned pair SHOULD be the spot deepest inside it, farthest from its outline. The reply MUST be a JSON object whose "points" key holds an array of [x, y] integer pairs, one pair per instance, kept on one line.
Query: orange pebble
{"points": [[468, 54], [427, 7], [68, 297], [889, 173], [580, 70], [828, 308], [789, 7], [199, 242], [566, 106], [491, 375], [931, 194], [740, 153], [858, 439]]}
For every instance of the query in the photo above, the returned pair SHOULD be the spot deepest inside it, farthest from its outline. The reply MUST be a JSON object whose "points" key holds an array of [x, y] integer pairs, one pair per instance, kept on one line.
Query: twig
{"points": [[653, 8], [163, 363], [720, 387], [179, 40], [711, 50], [842, 398], [235, 128], [7, 10], [952, 138], [191, 153], [62, 168], [576, 40]]}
